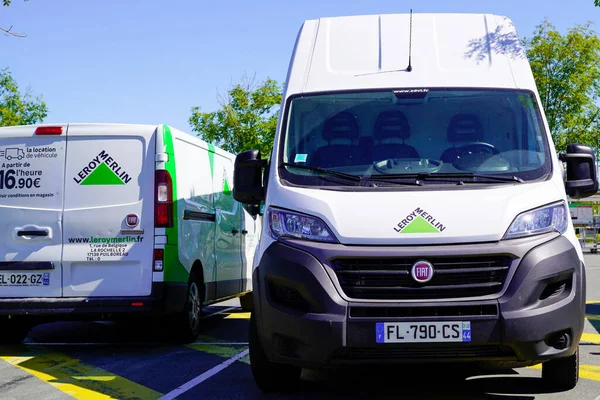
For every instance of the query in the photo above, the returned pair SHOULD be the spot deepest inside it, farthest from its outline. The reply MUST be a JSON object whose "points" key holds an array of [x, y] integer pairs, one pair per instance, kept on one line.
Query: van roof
{"points": [[371, 51]]}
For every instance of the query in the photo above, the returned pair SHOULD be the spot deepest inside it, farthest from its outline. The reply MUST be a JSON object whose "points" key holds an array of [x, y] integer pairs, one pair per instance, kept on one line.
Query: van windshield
{"points": [[414, 136]]}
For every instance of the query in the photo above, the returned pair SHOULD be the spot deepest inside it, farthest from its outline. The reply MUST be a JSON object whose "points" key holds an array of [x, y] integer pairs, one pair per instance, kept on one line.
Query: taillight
{"points": [[159, 257], [48, 130], [163, 204]]}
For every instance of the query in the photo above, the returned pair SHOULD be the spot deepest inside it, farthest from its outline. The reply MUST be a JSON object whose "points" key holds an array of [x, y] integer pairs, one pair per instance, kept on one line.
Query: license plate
{"points": [[19, 279], [423, 332]]}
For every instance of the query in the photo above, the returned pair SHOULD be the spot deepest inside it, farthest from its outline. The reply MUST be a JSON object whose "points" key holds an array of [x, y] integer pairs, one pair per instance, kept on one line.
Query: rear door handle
{"points": [[244, 232], [41, 232]]}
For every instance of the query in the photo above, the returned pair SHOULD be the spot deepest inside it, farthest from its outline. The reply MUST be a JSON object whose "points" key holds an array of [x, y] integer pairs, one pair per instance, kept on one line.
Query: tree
{"points": [[17, 108], [9, 31], [247, 118], [567, 74]]}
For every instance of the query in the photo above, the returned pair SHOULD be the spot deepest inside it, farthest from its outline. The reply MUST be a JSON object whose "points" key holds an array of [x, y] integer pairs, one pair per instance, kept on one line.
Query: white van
{"points": [[114, 220], [415, 205]]}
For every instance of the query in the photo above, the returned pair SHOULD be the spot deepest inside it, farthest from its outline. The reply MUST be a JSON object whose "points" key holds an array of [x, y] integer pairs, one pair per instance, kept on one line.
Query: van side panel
{"points": [[174, 271], [195, 207], [109, 177], [229, 228]]}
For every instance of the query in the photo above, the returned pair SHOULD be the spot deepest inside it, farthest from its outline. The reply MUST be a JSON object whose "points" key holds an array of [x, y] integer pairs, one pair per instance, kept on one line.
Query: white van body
{"points": [[80, 228], [380, 241]]}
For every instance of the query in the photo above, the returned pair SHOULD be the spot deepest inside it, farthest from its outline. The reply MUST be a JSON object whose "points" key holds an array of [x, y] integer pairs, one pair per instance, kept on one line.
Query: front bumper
{"points": [[166, 298], [306, 319]]}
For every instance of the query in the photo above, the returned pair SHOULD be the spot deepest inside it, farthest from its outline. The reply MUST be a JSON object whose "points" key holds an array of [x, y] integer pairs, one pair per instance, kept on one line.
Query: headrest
{"points": [[465, 127], [391, 124], [342, 125]]}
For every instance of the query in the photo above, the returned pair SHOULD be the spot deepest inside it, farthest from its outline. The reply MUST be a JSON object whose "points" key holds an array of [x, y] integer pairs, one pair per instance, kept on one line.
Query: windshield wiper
{"points": [[458, 175], [356, 178]]}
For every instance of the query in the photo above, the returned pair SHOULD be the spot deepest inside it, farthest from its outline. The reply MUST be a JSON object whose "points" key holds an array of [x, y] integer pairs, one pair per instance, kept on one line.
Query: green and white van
{"points": [[106, 220]]}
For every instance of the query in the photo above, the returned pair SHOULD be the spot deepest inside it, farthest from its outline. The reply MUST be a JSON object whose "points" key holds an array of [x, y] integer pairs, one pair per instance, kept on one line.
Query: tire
{"points": [[270, 376], [187, 323], [247, 302], [13, 332], [563, 373]]}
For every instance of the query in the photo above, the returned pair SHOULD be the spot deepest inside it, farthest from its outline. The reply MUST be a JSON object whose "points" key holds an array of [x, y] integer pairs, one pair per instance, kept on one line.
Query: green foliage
{"points": [[246, 119], [567, 73], [17, 108]]}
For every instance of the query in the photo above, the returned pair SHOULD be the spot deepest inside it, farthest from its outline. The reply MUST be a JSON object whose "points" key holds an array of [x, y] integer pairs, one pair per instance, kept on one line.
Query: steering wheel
{"points": [[476, 147]]}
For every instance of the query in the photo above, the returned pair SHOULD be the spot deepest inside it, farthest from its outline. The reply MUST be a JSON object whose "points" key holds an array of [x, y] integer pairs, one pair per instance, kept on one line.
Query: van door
{"points": [[32, 169], [108, 213], [228, 236]]}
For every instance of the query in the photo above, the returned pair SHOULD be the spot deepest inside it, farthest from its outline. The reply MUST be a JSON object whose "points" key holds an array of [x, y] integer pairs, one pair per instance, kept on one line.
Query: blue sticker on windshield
{"points": [[300, 158], [466, 331]]}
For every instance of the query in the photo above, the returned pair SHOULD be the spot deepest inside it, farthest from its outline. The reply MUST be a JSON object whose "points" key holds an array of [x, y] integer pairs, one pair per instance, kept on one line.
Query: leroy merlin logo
{"points": [[419, 221], [102, 170]]}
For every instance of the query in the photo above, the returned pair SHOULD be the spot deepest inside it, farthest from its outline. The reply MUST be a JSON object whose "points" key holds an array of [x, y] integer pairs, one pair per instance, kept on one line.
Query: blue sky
{"points": [[150, 61]]}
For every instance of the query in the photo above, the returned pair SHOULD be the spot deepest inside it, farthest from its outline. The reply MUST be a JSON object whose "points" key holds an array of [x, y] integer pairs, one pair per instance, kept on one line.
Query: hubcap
{"points": [[194, 306]]}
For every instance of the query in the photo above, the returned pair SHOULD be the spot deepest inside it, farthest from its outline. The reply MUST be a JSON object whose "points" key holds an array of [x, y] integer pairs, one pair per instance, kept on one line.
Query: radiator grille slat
{"points": [[454, 277]]}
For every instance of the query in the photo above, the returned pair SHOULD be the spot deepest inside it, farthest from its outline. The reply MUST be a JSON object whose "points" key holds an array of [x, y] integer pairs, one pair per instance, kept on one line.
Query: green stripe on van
{"points": [[174, 271], [211, 159]]}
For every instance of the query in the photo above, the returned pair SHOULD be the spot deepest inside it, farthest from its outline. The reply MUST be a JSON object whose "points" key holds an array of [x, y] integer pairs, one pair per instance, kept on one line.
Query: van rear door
{"points": [[32, 170], [108, 214]]}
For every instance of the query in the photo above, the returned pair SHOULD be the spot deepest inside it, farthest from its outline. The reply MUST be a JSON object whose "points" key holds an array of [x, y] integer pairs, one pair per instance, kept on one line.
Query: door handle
{"points": [[235, 231], [41, 232], [244, 232]]}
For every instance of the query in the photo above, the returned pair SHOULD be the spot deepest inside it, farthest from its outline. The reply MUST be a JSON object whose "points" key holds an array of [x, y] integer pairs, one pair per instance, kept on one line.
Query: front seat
{"points": [[462, 128], [340, 131], [390, 130]]}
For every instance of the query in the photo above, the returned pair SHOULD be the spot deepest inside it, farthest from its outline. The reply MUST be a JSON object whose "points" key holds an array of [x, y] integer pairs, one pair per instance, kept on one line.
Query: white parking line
{"points": [[201, 378]]}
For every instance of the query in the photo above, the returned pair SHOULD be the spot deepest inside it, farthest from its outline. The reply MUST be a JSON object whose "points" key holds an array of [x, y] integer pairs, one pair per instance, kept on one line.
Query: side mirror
{"points": [[582, 179], [247, 178]]}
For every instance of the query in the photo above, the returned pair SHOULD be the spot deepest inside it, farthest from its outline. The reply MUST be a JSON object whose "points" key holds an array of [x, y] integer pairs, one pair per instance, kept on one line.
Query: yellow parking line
{"points": [[239, 315], [593, 302], [79, 380], [591, 372], [591, 338], [592, 317], [226, 351]]}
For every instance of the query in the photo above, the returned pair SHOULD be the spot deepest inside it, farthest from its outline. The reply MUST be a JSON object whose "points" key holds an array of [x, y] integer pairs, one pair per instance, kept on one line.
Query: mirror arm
{"points": [[565, 156]]}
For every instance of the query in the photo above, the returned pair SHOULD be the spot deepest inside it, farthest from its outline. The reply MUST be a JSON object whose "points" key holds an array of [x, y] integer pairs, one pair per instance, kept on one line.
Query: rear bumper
{"points": [[166, 298], [306, 320]]}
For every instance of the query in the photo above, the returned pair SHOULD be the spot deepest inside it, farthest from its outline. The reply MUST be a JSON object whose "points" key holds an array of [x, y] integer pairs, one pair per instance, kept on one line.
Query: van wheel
{"points": [[13, 332], [563, 373], [269, 376], [246, 301], [188, 322]]}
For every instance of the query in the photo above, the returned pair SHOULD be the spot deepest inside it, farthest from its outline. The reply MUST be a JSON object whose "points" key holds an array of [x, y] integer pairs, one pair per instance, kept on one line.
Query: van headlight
{"points": [[551, 218], [301, 226]]}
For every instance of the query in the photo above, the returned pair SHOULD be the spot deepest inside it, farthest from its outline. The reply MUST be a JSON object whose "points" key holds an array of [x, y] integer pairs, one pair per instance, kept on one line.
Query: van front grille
{"points": [[390, 278]]}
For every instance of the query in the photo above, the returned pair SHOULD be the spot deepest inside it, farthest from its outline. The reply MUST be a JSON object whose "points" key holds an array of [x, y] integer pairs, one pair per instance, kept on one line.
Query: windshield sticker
{"points": [[300, 158], [419, 221], [102, 170]]}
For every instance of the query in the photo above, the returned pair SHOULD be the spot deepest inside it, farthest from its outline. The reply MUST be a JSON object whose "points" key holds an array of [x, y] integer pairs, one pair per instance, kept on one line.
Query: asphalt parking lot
{"points": [[102, 360]]}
